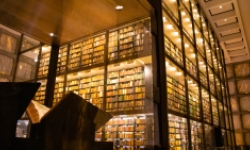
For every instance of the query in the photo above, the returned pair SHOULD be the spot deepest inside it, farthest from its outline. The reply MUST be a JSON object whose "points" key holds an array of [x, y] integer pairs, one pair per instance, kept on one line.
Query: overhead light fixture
{"points": [[164, 19], [119, 7], [51, 34], [225, 19], [169, 26], [220, 7]]}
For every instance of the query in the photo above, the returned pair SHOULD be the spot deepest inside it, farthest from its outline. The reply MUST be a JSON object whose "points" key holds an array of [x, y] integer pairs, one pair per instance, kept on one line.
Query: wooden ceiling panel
{"points": [[68, 19]]}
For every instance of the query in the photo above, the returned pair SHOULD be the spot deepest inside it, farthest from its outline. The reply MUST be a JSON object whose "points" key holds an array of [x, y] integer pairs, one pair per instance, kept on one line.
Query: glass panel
{"points": [[226, 117], [28, 42], [215, 63], [203, 70], [186, 4], [27, 64], [173, 51], [218, 87], [231, 87], [6, 64], [190, 58], [211, 36], [171, 31], [222, 115], [234, 104], [229, 140], [178, 132], [209, 136], [88, 84], [4, 80], [199, 40], [171, 7], [40, 94], [204, 27], [247, 138], [175, 88], [59, 89], [187, 24], [208, 54], [197, 135], [8, 43], [211, 81], [193, 97], [206, 106], [196, 14], [239, 139], [215, 111], [62, 59], [44, 62]]}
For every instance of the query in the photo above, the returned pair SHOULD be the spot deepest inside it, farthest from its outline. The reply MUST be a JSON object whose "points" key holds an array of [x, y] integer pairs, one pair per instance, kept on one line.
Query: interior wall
{"points": [[238, 75]]}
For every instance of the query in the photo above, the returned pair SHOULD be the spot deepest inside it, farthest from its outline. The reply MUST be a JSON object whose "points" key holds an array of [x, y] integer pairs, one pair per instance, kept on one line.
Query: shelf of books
{"points": [[126, 88], [59, 89], [87, 52], [40, 94], [129, 40], [215, 111], [190, 58], [43, 69], [206, 106], [175, 89], [193, 99], [130, 132], [178, 133], [89, 84], [62, 59], [196, 135]]}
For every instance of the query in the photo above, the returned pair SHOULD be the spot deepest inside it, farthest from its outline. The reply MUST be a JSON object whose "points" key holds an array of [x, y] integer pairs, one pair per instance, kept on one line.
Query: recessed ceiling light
{"points": [[119, 7], [225, 19], [51, 34], [220, 7]]}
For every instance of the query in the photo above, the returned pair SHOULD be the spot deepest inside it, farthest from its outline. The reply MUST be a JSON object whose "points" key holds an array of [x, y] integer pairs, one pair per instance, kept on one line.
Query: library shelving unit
{"points": [[44, 62], [40, 94], [59, 89], [62, 59]]}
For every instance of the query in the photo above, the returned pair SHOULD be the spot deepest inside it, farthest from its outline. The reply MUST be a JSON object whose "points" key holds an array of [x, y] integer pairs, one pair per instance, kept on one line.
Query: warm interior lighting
{"points": [[169, 26], [195, 10], [166, 64], [186, 45], [225, 19], [178, 73], [164, 19], [172, 68], [183, 13], [187, 19], [51, 34], [119, 7], [175, 33], [220, 7]]}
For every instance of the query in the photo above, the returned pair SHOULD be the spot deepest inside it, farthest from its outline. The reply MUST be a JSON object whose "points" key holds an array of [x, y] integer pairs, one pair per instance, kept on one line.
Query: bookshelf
{"points": [[59, 89], [44, 65], [62, 59], [40, 94]]}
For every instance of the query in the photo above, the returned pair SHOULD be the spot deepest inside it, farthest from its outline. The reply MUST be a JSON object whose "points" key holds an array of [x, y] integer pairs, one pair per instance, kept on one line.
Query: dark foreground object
{"points": [[14, 99]]}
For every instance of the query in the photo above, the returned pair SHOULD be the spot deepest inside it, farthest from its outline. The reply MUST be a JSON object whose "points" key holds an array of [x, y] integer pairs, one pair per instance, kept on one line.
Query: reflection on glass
{"points": [[29, 42], [222, 115], [4, 80], [62, 59], [208, 54], [206, 106], [196, 14], [211, 81], [187, 5], [27, 64], [8, 43], [178, 132], [6, 64], [175, 88], [204, 27], [22, 128]]}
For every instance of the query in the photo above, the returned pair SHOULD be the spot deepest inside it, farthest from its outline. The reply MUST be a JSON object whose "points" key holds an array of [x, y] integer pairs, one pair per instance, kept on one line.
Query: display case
{"points": [[196, 135], [59, 89]]}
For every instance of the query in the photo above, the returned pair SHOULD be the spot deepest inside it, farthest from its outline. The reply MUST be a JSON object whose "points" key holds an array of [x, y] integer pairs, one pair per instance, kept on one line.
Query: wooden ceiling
{"points": [[68, 19]]}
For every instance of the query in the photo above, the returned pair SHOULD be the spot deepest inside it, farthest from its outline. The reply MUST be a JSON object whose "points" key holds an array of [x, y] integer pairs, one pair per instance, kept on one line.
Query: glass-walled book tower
{"points": [[117, 70]]}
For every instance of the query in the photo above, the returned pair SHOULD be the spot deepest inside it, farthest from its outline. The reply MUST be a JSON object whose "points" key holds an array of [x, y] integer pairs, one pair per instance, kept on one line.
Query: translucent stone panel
{"points": [[229, 72], [247, 138], [7, 43], [231, 88], [234, 104], [242, 70], [246, 121], [245, 103], [239, 139], [5, 65], [237, 121], [4, 80], [24, 70], [243, 86]]}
